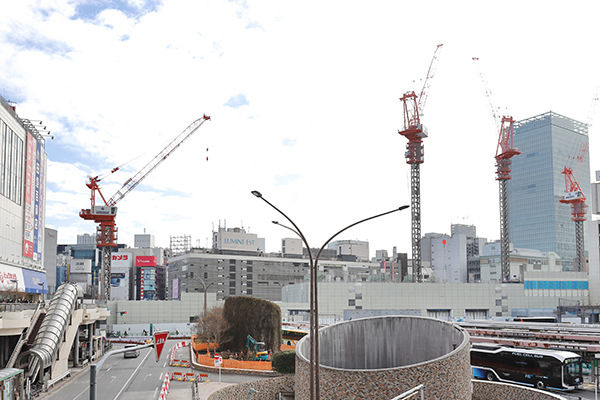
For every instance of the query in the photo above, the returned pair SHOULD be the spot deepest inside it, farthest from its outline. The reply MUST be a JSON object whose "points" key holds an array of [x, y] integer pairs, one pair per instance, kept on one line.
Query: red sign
{"points": [[145, 261], [160, 338]]}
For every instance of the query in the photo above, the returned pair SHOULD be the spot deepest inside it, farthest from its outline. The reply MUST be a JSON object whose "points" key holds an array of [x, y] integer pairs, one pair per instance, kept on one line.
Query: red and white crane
{"points": [[106, 233], [575, 197], [414, 131], [504, 153]]}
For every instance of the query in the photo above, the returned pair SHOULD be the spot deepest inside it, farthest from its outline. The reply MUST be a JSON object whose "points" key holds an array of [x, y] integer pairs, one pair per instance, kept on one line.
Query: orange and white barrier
{"points": [[172, 359], [164, 390], [177, 376]]}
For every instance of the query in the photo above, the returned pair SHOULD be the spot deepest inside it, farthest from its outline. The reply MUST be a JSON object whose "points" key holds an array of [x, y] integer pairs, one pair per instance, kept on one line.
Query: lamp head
{"points": [[275, 222], [256, 193], [403, 208]]}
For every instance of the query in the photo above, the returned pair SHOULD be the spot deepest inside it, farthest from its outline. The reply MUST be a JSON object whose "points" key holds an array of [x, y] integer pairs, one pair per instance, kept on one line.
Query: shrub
{"points": [[251, 316], [284, 362]]}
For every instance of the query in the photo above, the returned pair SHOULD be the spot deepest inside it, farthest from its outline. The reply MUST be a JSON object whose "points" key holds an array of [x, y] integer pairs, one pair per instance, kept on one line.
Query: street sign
{"points": [[160, 338], [218, 360]]}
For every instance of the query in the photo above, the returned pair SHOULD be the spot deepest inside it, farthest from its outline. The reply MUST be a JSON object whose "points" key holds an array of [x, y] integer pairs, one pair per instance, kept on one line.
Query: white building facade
{"points": [[22, 204]]}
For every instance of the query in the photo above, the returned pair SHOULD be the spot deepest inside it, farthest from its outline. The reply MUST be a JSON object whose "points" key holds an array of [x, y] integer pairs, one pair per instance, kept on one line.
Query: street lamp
{"points": [[16, 282], [314, 303], [205, 286], [42, 284]]}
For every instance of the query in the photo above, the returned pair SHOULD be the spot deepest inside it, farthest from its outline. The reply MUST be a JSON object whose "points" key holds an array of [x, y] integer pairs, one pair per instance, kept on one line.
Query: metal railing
{"points": [[412, 394]]}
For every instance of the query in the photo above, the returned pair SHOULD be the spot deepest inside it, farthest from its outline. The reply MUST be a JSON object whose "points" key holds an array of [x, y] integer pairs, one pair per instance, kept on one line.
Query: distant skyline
{"points": [[304, 101]]}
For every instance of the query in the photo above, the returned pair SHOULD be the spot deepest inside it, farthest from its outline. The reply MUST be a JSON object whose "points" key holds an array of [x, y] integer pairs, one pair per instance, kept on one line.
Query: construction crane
{"points": [[414, 131], [106, 233], [574, 196], [504, 153]]}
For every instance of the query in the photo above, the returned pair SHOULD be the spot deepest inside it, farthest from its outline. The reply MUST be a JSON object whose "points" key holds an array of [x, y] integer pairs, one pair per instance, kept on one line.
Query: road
{"points": [[137, 378]]}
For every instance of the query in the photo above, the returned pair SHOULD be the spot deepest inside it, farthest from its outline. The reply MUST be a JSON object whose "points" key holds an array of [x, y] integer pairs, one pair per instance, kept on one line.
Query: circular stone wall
{"points": [[383, 357]]}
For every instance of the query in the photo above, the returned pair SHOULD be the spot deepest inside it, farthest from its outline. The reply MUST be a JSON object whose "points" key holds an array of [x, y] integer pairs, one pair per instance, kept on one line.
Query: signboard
{"points": [[33, 281], [160, 338], [81, 266], [29, 187], [142, 284], [145, 261], [218, 360], [175, 289], [121, 260], [242, 241], [119, 283], [8, 275]]}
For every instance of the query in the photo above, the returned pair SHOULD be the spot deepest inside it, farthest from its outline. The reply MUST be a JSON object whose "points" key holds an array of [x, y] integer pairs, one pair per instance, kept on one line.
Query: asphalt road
{"points": [[135, 378]]}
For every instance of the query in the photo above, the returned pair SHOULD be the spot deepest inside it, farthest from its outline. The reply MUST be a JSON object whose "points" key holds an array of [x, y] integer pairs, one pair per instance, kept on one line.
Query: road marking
{"points": [[146, 377], [155, 391], [132, 375], [160, 378]]}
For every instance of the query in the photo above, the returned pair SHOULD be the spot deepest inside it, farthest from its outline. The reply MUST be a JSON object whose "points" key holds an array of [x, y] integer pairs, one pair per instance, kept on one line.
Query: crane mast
{"points": [[574, 196], [504, 153], [105, 215], [415, 132]]}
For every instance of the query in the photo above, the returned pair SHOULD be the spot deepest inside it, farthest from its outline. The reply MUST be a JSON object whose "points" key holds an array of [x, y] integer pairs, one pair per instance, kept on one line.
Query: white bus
{"points": [[553, 369]]}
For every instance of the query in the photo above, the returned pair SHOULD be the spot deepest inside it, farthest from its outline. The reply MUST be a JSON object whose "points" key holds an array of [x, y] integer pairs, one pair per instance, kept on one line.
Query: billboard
{"points": [[29, 179], [119, 283], [121, 260], [175, 289], [9, 274], [145, 261], [241, 241], [81, 266], [33, 226]]}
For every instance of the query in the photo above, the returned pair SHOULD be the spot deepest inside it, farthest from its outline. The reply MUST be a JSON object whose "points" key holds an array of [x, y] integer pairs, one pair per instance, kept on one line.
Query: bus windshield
{"points": [[573, 371]]}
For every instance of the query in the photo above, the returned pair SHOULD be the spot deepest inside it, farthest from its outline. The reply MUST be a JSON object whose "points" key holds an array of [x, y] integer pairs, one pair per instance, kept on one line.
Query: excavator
{"points": [[258, 348]]}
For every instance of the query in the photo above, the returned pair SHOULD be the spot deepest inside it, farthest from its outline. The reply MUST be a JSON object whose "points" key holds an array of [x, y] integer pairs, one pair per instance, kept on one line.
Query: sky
{"points": [[304, 106]]}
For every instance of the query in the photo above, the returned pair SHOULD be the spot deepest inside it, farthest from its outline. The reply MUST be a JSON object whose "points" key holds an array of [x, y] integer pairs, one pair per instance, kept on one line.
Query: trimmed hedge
{"points": [[258, 318], [284, 362]]}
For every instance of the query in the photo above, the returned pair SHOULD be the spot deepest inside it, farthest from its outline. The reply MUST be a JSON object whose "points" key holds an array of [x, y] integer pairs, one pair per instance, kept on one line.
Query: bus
{"points": [[552, 369], [291, 337], [549, 320]]}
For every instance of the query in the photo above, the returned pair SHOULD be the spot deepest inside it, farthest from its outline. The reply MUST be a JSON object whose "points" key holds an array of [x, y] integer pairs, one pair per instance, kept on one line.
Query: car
{"points": [[131, 353]]}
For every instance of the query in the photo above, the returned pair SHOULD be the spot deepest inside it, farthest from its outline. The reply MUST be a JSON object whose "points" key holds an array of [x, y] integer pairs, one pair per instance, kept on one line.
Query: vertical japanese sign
{"points": [[40, 209], [28, 234], [141, 283]]}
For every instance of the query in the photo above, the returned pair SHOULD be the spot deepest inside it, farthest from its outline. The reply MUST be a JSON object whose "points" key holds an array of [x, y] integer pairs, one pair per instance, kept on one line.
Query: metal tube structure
{"points": [[315, 392]]}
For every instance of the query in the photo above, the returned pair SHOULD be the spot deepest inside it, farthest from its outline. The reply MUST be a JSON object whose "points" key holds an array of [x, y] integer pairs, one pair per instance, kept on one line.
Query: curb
{"points": [[201, 367]]}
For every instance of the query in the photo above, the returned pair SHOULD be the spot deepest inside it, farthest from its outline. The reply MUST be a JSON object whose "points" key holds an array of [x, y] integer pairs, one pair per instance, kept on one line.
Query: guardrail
{"points": [[411, 394]]}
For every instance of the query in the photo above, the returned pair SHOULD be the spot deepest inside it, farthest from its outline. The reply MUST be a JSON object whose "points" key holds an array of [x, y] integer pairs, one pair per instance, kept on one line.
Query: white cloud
{"points": [[304, 94]]}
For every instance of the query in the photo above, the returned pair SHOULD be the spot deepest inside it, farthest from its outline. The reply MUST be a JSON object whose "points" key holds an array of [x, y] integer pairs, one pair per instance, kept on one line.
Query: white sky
{"points": [[304, 101]]}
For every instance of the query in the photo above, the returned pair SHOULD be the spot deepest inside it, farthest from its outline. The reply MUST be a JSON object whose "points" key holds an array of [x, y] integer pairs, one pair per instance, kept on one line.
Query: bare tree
{"points": [[211, 327]]}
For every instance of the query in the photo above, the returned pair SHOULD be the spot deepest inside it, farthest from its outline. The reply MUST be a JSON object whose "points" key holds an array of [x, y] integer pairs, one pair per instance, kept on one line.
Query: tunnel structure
{"points": [[383, 357]]}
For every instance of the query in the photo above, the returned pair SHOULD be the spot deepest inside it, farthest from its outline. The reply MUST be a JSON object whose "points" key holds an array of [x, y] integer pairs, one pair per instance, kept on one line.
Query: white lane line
{"points": [[155, 391], [132, 375]]}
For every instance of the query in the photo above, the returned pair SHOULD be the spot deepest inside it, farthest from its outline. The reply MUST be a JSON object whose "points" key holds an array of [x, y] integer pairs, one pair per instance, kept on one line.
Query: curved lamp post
{"points": [[205, 286], [314, 303]]}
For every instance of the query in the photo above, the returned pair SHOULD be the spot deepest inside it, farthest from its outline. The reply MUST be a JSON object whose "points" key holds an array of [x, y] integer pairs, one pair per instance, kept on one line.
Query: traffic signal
{"points": [[123, 313]]}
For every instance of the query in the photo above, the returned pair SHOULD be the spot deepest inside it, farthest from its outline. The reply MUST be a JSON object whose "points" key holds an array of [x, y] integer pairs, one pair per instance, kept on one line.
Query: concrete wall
{"points": [[484, 390], [498, 299], [266, 389], [383, 357]]}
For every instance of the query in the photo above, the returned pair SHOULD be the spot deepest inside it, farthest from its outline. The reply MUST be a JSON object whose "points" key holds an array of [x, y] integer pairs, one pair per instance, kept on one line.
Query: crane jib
{"points": [[131, 183]]}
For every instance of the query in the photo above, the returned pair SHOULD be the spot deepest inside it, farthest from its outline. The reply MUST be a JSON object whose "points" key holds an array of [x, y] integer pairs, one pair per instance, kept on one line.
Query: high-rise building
{"points": [[548, 143]]}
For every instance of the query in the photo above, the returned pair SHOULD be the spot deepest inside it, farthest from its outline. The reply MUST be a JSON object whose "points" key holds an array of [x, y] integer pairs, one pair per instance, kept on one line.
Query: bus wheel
{"points": [[540, 385], [490, 376]]}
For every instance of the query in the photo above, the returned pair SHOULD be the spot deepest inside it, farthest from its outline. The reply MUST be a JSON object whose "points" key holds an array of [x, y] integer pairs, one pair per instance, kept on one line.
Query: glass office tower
{"points": [[548, 142]]}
